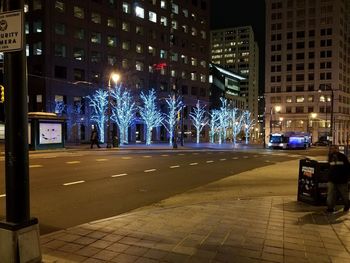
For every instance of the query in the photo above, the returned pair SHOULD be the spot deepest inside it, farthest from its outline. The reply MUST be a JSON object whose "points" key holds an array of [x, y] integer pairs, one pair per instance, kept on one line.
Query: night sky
{"points": [[232, 13]]}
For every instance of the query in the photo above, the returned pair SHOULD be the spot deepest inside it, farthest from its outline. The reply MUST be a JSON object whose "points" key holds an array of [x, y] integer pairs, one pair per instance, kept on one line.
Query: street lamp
{"points": [[115, 78], [331, 139]]}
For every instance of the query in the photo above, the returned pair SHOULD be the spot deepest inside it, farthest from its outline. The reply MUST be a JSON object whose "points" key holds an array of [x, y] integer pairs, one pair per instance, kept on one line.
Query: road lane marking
{"points": [[210, 161], [35, 166], [223, 159], [174, 166], [165, 155], [72, 183], [192, 164], [150, 170], [118, 175], [50, 157], [3, 195], [146, 156], [73, 162], [234, 158], [101, 160], [126, 158]]}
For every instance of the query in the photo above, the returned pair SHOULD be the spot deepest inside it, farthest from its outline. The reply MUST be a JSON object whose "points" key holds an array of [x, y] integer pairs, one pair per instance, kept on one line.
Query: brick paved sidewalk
{"points": [[268, 229]]}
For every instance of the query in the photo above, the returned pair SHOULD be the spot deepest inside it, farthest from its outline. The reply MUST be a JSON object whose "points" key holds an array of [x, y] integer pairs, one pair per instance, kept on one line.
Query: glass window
{"points": [[78, 54], [111, 60], [163, 54], [193, 61], [78, 74], [125, 63], [125, 26], [37, 5], [111, 22], [151, 50], [193, 76], [174, 8], [139, 66], [185, 12], [126, 45], [26, 27], [95, 18], [126, 8], [163, 21], [60, 6], [139, 12], [139, 30], [27, 50], [79, 33], [79, 12], [111, 41], [152, 17], [163, 4], [95, 38], [37, 26], [37, 49], [139, 48], [60, 50], [289, 99], [203, 34], [174, 24], [95, 57], [60, 29], [300, 99], [203, 78]]}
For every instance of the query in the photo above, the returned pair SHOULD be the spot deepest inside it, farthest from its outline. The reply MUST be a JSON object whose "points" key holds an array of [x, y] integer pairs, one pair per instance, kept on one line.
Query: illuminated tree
{"points": [[224, 119], [60, 107], [199, 119], [170, 121], [214, 124], [151, 116], [123, 111], [248, 124], [74, 120], [237, 123], [99, 102]]}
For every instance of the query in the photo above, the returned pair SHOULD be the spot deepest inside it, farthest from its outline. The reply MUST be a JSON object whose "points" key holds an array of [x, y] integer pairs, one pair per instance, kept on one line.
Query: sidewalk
{"points": [[237, 219]]}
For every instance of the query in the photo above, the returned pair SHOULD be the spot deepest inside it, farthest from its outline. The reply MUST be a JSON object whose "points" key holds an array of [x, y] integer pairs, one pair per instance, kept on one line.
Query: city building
{"points": [[74, 46], [307, 68], [235, 49]]}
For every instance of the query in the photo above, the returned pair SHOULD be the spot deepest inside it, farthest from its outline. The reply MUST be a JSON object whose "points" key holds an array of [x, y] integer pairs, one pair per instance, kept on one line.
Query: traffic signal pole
{"points": [[19, 233]]}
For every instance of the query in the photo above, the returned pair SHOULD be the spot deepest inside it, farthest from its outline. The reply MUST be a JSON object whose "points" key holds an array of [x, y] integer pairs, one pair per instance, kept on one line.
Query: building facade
{"points": [[307, 72], [235, 49], [73, 46]]}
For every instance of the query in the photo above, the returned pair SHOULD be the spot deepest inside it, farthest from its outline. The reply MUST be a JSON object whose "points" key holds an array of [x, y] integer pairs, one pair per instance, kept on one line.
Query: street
{"points": [[69, 188]]}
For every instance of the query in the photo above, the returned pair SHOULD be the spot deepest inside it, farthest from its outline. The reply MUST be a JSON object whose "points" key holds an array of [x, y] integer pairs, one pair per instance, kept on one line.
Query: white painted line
{"points": [[223, 159], [193, 164], [2, 195], [73, 162], [165, 155], [118, 175], [35, 166], [174, 166], [150, 170], [209, 161], [147, 156], [234, 158], [245, 157], [50, 157], [71, 183], [126, 158], [101, 160]]}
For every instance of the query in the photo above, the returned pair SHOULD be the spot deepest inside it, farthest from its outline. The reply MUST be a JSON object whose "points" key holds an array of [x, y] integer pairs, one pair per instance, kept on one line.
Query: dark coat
{"points": [[339, 168]]}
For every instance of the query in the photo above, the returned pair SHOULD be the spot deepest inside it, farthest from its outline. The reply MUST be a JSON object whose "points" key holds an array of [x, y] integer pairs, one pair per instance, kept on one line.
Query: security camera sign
{"points": [[11, 31]]}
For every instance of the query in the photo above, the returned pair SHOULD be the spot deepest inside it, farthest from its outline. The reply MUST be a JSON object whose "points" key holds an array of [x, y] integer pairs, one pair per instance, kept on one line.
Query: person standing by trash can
{"points": [[94, 138], [338, 178]]}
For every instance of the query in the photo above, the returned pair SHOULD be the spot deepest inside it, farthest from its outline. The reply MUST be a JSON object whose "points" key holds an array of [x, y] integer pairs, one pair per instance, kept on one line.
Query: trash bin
{"points": [[312, 181], [115, 141]]}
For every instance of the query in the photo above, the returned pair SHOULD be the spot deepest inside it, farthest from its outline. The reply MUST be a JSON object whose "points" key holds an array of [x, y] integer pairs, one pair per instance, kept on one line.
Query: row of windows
{"points": [[311, 109], [302, 34], [302, 77], [302, 45], [300, 99], [301, 55], [301, 66]]}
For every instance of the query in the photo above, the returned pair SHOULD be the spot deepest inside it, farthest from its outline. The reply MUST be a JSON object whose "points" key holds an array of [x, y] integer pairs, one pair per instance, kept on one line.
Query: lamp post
{"points": [[115, 77], [331, 139]]}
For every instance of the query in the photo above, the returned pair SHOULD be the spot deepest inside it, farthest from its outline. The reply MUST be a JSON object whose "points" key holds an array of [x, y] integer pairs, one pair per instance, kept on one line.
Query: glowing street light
{"points": [[115, 77]]}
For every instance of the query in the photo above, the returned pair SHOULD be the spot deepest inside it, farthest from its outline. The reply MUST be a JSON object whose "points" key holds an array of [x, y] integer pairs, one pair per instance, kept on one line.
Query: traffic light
{"points": [[2, 96]]}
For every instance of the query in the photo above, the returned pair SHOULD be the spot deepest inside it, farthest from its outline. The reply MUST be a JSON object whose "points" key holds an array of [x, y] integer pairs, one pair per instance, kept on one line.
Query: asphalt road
{"points": [[74, 187]]}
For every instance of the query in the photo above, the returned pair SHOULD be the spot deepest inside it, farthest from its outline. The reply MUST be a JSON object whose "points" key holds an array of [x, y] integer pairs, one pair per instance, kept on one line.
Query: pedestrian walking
{"points": [[94, 138], [338, 178]]}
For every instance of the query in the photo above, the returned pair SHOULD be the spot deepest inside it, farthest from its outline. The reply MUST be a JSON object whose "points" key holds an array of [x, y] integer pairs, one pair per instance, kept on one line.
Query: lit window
{"points": [[173, 73], [174, 24], [163, 53], [193, 16], [111, 22], [300, 99], [184, 28], [163, 4], [139, 12], [26, 27], [139, 66], [78, 54], [152, 17], [60, 29], [139, 48], [60, 50], [174, 57], [175, 8], [96, 18], [139, 30], [95, 38], [203, 64], [37, 49], [210, 78], [193, 76], [79, 12], [126, 45], [193, 61], [26, 8], [37, 5], [184, 59], [59, 6], [163, 21], [151, 50], [111, 41], [194, 32], [125, 26], [111, 60], [126, 8], [79, 33], [27, 50], [204, 36], [185, 12], [37, 27]]}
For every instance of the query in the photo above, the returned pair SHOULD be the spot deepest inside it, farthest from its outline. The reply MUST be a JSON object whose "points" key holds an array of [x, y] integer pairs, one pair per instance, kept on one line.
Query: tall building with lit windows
{"points": [[235, 49], [73, 46], [307, 60]]}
